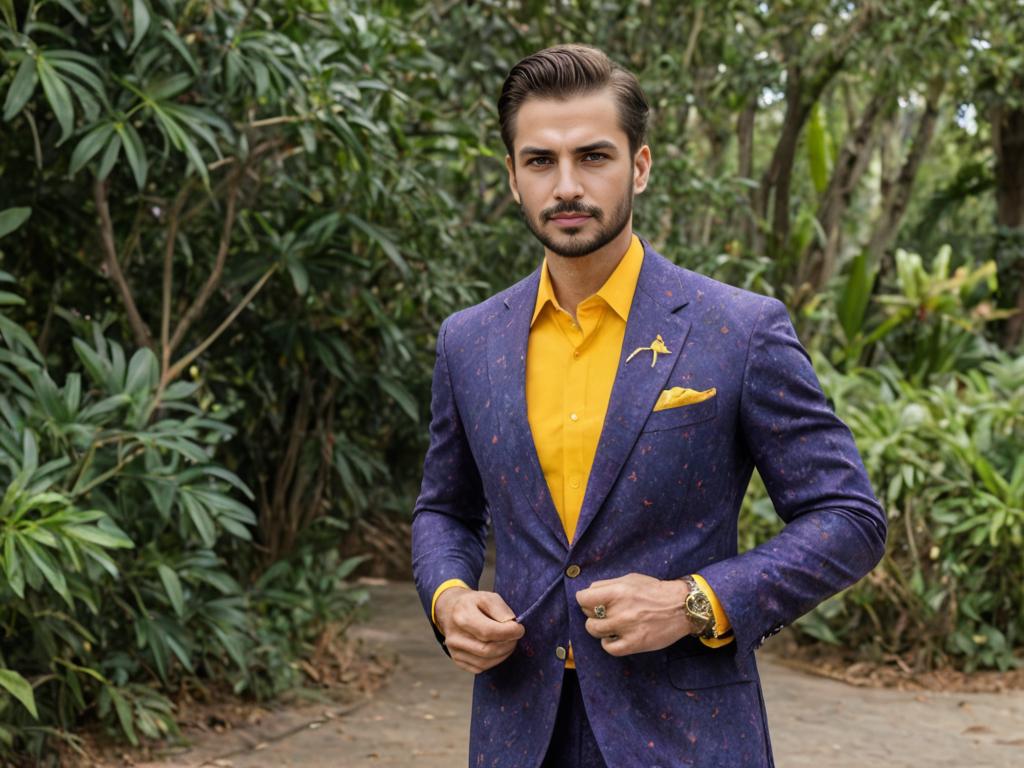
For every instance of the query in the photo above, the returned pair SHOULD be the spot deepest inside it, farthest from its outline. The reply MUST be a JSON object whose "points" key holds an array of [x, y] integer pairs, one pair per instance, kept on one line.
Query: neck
{"points": [[574, 278]]}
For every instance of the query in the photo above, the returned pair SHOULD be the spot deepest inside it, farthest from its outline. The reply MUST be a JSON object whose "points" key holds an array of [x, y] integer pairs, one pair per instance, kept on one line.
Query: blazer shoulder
{"points": [[474, 321], [712, 298]]}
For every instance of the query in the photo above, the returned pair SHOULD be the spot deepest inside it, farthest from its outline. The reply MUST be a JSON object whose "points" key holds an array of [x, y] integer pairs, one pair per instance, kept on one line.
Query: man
{"points": [[604, 416]]}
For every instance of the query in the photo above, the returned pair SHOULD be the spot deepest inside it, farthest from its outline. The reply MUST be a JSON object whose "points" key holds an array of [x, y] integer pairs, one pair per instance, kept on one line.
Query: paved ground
{"points": [[421, 717]]}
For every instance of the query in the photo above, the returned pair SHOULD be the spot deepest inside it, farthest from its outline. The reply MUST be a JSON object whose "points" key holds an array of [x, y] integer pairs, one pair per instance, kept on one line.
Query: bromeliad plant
{"points": [[114, 525]]}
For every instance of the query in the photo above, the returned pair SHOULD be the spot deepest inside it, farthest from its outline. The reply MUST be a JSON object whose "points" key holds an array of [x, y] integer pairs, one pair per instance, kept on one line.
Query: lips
{"points": [[570, 220]]}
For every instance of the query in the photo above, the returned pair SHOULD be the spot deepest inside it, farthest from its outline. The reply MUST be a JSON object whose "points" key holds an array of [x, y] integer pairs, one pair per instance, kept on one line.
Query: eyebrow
{"points": [[543, 152]]}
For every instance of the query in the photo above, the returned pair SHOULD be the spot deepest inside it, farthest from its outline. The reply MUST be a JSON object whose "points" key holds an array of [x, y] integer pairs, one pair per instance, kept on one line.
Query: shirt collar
{"points": [[617, 290]]}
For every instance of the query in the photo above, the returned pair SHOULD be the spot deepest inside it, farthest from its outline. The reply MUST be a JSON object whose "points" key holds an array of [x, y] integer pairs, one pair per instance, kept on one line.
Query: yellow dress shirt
{"points": [[570, 369]]}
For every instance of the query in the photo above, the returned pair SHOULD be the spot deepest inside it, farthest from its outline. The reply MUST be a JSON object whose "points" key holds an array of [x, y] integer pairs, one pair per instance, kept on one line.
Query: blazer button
{"points": [[560, 653], [572, 571]]}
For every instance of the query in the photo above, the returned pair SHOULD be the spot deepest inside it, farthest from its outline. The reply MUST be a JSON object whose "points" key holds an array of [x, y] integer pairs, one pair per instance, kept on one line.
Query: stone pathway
{"points": [[421, 718]]}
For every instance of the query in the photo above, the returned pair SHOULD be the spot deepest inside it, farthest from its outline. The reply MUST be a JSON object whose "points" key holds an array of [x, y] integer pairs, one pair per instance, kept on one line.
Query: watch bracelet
{"points": [[709, 631]]}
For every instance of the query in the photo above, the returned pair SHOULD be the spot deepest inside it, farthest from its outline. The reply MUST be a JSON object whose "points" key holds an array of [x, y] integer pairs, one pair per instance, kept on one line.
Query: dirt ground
{"points": [[420, 718]]}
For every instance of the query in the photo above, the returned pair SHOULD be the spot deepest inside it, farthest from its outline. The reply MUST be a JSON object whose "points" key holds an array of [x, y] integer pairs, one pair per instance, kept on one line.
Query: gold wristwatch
{"points": [[697, 607]]}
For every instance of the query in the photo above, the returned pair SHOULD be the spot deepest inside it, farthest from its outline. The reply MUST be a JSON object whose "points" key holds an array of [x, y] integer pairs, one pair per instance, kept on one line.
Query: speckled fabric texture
{"points": [[663, 500]]}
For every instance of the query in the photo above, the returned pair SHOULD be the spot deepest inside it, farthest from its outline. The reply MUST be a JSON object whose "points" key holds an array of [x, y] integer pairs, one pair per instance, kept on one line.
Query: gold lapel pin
{"points": [[657, 348]]}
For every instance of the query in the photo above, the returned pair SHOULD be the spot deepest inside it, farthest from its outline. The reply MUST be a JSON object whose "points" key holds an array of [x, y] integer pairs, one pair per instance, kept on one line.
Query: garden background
{"points": [[231, 229]]}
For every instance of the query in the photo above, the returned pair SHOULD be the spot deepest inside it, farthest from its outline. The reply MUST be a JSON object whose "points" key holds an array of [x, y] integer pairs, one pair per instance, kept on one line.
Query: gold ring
{"points": [[600, 612]]}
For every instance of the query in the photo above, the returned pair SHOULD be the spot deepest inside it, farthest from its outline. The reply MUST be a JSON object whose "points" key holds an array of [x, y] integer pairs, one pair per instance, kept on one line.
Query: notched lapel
{"points": [[506, 368], [655, 311]]}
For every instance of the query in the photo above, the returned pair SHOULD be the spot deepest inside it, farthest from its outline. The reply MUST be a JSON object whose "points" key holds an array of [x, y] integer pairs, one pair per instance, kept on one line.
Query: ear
{"points": [[641, 169], [511, 168]]}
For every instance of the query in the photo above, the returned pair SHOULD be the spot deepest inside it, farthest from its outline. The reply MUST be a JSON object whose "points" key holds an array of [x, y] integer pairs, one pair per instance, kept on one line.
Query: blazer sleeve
{"points": [[835, 528], [449, 520]]}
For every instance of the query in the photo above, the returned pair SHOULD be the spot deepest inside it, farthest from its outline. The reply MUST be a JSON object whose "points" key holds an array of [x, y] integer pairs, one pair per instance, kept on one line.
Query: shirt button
{"points": [[575, 353], [574, 482], [572, 571], [573, 417], [560, 653]]}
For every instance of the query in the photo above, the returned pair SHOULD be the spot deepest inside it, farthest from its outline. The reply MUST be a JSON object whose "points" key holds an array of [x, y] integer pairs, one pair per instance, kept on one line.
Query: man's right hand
{"points": [[479, 628]]}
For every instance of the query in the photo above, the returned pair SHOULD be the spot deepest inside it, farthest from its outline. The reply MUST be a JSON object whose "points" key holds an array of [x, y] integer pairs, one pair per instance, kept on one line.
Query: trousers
{"points": [[572, 743]]}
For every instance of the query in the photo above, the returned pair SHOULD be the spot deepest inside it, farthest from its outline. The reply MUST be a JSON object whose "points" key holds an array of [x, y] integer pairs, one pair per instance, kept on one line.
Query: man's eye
{"points": [[595, 156], [538, 161]]}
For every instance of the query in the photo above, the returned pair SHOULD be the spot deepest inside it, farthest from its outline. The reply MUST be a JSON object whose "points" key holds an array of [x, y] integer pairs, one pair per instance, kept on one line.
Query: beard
{"points": [[568, 242]]}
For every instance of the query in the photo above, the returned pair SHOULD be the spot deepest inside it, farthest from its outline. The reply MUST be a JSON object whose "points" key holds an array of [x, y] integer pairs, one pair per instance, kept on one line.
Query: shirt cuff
{"points": [[722, 625], [446, 585]]}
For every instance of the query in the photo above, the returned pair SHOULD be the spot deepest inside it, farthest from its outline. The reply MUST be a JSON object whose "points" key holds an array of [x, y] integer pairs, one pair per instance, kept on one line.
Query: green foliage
{"points": [[236, 227], [947, 464], [108, 525]]}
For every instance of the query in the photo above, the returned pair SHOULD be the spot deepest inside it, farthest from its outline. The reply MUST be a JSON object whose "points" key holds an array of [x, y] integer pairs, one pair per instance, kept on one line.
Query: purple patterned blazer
{"points": [[663, 499]]}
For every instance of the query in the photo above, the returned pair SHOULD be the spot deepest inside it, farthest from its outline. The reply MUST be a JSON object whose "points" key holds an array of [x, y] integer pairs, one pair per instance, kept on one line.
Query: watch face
{"points": [[698, 605]]}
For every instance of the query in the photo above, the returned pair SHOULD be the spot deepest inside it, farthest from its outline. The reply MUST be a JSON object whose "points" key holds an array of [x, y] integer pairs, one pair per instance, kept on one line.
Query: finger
{"points": [[478, 649], [493, 606], [601, 628], [493, 662], [499, 631], [467, 663], [616, 646]]}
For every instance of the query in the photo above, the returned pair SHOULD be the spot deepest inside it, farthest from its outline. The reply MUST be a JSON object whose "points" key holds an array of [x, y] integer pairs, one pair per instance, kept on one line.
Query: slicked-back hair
{"points": [[564, 71]]}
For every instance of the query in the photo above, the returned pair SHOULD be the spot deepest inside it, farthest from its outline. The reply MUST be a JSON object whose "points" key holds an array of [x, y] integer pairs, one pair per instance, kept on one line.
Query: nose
{"points": [[568, 186]]}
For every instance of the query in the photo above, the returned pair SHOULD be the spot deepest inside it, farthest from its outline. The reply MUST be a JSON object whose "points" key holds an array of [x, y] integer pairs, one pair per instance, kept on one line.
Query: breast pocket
{"points": [[681, 415]]}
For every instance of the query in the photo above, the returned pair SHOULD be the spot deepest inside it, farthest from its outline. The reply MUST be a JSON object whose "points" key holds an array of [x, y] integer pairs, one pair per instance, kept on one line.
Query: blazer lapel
{"points": [[506, 367], [657, 299]]}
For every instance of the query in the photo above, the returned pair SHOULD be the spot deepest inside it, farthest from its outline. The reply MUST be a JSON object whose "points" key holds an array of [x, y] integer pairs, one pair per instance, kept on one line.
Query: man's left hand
{"points": [[641, 613]]}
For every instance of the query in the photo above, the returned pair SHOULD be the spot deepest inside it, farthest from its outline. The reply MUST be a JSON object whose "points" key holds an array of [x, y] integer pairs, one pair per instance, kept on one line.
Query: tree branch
{"points": [[168, 277], [113, 267], [213, 280], [185, 361]]}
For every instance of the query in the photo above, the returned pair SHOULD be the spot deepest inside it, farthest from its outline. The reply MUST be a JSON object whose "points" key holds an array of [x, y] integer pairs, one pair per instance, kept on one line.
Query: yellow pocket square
{"points": [[677, 396]]}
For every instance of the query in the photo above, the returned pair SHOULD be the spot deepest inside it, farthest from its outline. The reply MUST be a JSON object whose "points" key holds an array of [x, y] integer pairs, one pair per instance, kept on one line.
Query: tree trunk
{"points": [[897, 195], [1008, 141], [745, 163], [818, 264]]}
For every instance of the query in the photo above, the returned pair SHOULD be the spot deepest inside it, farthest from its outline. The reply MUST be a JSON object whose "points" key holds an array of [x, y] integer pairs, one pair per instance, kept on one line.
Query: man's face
{"points": [[573, 175]]}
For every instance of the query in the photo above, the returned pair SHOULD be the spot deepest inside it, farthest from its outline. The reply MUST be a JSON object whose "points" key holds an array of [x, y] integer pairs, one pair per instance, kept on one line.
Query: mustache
{"points": [[572, 207]]}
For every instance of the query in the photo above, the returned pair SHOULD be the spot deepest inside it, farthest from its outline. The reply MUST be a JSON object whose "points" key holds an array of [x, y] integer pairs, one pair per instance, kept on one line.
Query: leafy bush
{"points": [[112, 519], [939, 422], [948, 464]]}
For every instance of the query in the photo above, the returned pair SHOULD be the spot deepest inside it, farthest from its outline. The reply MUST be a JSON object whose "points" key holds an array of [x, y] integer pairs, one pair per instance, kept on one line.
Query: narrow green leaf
{"points": [[179, 390], [71, 8], [140, 22], [59, 97], [7, 9], [853, 302], [172, 585], [73, 392], [12, 565], [124, 715], [29, 453], [10, 299], [98, 536], [12, 218], [230, 477], [97, 367], [817, 155], [20, 689], [109, 157], [52, 572], [300, 277], [401, 396], [90, 144], [169, 87], [135, 152], [200, 519], [143, 370], [172, 37], [378, 236], [22, 87]]}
